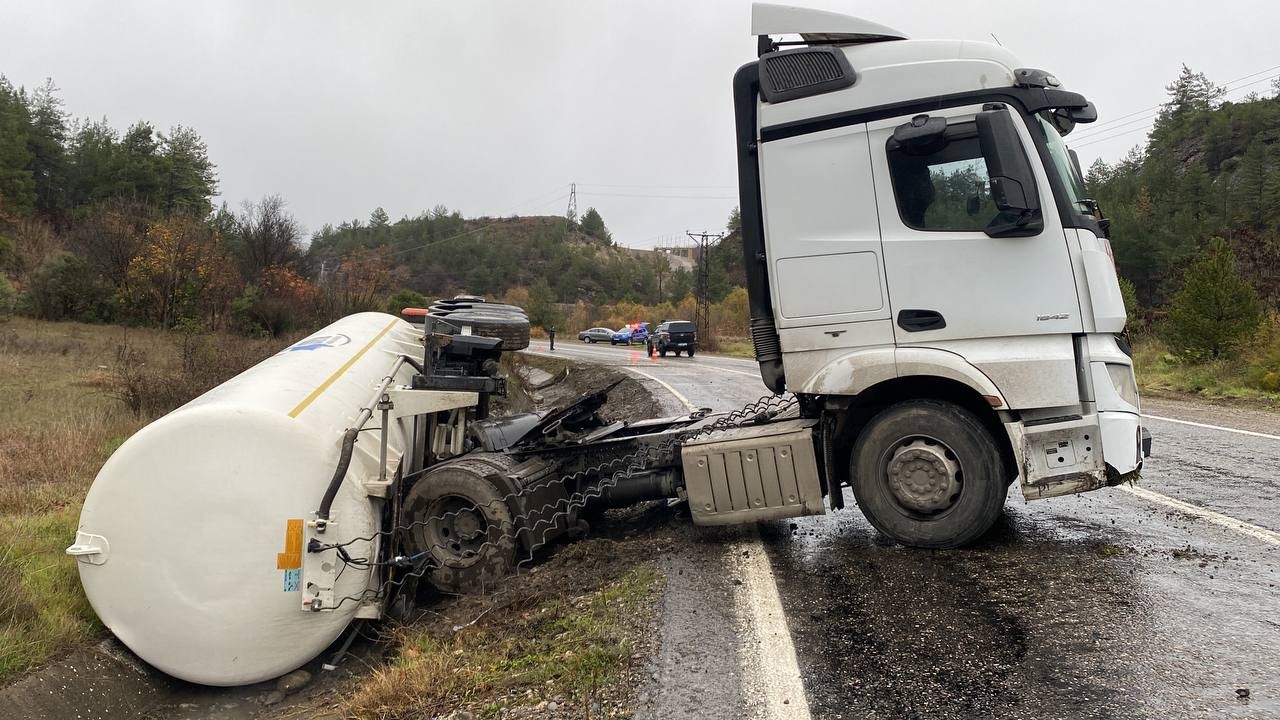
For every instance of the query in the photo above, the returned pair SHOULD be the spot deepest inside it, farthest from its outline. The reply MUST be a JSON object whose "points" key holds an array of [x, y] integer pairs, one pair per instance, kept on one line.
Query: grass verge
{"points": [[1253, 376], [42, 610], [542, 644]]}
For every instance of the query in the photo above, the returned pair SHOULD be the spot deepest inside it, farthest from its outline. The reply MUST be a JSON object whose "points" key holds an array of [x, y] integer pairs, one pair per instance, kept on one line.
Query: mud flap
{"points": [[1059, 458]]}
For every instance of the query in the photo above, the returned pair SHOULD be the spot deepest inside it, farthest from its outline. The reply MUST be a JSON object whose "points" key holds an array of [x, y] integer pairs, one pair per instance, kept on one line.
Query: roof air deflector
{"points": [[817, 26]]}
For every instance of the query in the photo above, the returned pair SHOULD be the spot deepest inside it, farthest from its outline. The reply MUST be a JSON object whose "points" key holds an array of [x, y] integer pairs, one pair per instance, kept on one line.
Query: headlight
{"points": [[1123, 381]]}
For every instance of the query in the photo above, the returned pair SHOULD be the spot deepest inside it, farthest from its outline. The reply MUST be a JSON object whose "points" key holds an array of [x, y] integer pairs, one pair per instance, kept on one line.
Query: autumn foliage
{"points": [[182, 271]]}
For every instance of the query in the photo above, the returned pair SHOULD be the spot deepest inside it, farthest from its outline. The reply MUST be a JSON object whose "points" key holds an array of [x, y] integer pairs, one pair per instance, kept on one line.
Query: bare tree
{"points": [[265, 235], [110, 235]]}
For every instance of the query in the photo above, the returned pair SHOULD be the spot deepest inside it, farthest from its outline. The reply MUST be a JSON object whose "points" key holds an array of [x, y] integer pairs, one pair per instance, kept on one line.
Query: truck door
{"points": [[947, 279], [823, 242]]}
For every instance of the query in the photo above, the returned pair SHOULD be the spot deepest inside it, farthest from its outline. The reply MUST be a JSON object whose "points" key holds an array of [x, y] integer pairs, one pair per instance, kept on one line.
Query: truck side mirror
{"points": [[1013, 184]]}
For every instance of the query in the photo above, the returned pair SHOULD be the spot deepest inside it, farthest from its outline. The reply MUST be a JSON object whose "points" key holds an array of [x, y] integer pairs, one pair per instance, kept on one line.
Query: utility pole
{"points": [[703, 241]]}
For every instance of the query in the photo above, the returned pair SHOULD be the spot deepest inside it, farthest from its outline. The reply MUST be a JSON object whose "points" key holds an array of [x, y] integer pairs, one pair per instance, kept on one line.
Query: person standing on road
{"points": [[551, 334]]}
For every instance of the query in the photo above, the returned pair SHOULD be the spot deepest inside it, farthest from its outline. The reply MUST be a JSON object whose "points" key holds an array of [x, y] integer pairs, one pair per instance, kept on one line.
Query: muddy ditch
{"points": [[569, 636]]}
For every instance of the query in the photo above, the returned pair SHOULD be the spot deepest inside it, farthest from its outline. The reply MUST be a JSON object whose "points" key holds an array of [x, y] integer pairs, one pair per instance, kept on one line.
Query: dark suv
{"points": [[674, 335]]}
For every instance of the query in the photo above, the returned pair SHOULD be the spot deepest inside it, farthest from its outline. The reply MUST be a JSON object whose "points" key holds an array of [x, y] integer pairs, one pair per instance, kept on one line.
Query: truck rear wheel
{"points": [[463, 522], [928, 473]]}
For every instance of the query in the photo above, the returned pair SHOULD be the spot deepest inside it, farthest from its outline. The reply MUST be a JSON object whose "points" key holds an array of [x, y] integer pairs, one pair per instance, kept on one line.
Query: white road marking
{"points": [[678, 395], [1212, 427], [1258, 533], [755, 375], [770, 662]]}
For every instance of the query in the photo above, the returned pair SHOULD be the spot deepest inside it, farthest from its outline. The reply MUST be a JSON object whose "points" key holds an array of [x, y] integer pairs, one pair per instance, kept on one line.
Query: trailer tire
{"points": [[928, 473], [462, 521], [511, 328]]}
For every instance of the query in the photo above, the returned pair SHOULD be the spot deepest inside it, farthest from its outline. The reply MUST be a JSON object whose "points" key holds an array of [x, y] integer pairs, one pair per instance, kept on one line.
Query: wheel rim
{"points": [[456, 530], [924, 476]]}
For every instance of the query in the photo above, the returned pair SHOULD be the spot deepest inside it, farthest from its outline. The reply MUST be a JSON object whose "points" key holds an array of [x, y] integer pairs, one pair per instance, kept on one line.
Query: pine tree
{"points": [[47, 143], [735, 220], [1191, 93], [17, 186], [593, 225], [189, 179], [1216, 309]]}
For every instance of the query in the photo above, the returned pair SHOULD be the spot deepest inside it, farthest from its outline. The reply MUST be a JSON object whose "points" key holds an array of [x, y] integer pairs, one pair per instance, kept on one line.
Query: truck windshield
{"points": [[1065, 169]]}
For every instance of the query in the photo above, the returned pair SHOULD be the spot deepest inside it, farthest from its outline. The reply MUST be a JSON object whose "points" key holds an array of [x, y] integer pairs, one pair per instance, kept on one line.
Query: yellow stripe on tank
{"points": [[338, 373]]}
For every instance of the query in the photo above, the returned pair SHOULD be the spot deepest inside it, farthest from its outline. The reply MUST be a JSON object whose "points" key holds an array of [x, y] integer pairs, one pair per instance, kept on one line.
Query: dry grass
{"points": [[70, 394], [1253, 375], [535, 647]]}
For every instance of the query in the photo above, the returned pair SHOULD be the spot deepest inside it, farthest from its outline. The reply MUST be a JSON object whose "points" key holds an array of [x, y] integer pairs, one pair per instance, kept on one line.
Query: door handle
{"points": [[917, 320]]}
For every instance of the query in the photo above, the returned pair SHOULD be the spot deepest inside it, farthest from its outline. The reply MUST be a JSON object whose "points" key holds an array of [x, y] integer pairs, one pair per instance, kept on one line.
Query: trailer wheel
{"points": [[461, 520], [929, 474], [511, 328]]}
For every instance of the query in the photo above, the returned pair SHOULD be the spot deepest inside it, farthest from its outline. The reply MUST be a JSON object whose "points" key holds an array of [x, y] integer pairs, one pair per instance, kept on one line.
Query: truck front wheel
{"points": [[928, 473]]}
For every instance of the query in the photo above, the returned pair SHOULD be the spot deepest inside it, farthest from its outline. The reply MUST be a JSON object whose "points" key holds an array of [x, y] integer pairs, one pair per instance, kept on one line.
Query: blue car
{"points": [[631, 335]]}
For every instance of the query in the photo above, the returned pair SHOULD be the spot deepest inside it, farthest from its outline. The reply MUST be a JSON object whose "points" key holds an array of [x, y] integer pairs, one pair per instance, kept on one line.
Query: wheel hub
{"points": [[924, 476], [456, 526]]}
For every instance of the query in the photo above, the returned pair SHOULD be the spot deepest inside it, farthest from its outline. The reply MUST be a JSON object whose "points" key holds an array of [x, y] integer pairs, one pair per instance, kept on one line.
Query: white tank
{"points": [[191, 538]]}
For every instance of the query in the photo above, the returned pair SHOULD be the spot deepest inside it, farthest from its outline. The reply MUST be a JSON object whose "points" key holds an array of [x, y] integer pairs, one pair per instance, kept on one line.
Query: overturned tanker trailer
{"points": [[237, 537]]}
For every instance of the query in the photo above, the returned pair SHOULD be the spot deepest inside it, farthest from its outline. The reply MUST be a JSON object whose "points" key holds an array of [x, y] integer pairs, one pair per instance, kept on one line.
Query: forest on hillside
{"points": [[99, 224], [1210, 168]]}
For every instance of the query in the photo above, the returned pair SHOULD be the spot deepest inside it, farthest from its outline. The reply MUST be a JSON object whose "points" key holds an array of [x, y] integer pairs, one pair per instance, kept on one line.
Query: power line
{"points": [[662, 187], [661, 197], [1103, 126], [1096, 138]]}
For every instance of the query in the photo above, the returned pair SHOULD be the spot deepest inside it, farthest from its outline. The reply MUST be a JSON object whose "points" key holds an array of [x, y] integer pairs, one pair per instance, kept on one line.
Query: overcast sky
{"points": [[494, 108]]}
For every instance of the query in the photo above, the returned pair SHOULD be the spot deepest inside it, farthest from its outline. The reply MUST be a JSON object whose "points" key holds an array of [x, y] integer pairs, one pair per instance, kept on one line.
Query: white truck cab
{"points": [[927, 274]]}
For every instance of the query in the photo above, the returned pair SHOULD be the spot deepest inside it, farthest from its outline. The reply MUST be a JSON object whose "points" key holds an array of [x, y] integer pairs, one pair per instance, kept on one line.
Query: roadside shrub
{"points": [[1215, 311], [272, 311], [150, 390], [65, 288], [404, 299], [1129, 293], [8, 298]]}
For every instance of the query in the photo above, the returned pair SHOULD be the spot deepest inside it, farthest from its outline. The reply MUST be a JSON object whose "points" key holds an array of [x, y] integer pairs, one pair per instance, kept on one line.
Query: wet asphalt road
{"points": [[1103, 605]]}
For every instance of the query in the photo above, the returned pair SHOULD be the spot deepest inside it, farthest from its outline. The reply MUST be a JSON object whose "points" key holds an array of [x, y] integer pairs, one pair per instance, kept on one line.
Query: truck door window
{"points": [[946, 190]]}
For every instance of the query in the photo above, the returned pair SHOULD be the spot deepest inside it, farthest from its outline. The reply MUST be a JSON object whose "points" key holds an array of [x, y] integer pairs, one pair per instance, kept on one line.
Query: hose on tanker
{"points": [[340, 472], [349, 440]]}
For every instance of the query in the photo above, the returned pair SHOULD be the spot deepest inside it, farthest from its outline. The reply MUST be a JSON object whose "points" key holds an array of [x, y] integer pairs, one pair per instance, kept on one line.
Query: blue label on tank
{"points": [[318, 342], [293, 580]]}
